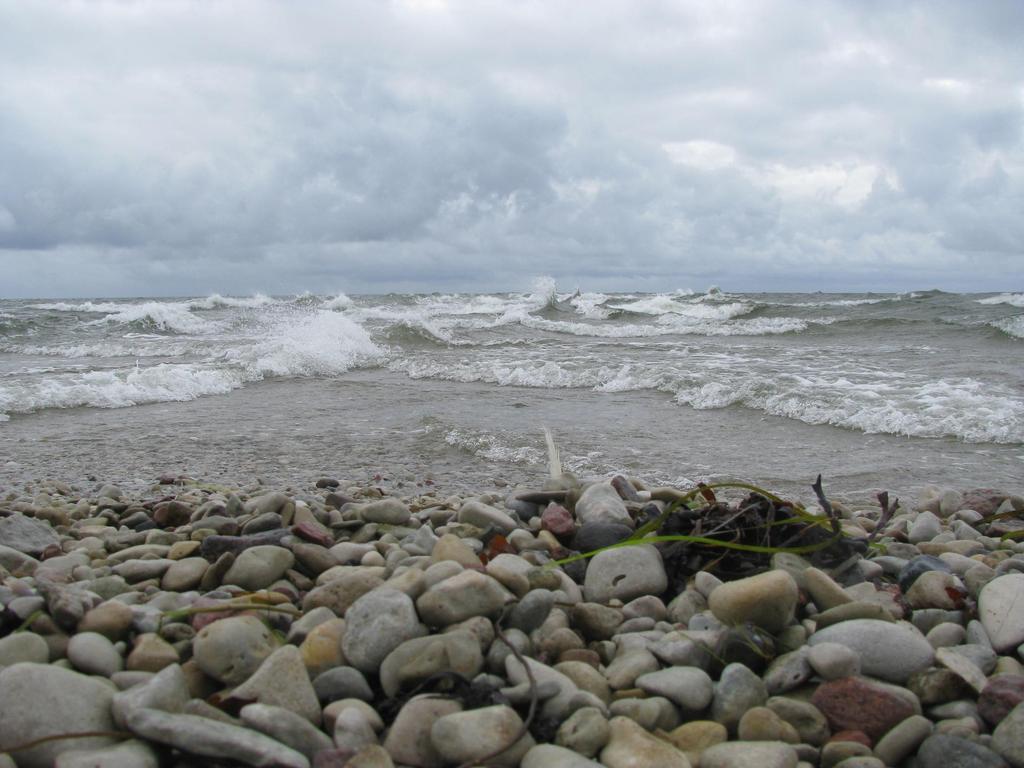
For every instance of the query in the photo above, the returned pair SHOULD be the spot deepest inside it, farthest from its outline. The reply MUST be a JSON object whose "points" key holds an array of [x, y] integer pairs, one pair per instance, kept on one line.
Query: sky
{"points": [[169, 148]]}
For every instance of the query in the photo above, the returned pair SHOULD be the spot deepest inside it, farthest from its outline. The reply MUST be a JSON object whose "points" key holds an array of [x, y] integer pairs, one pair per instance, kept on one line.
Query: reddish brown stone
{"points": [[983, 500], [314, 533], [1003, 693], [558, 520], [171, 514], [858, 736], [857, 704]]}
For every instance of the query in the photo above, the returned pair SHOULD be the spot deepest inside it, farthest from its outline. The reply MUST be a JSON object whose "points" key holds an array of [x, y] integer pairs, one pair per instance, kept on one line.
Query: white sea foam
{"points": [[160, 346], [216, 301], [836, 303], [168, 316], [544, 291], [85, 306], [339, 302], [490, 447], [1011, 326], [590, 305], [962, 408], [664, 325], [117, 389], [1013, 299], [662, 305], [317, 343], [487, 446]]}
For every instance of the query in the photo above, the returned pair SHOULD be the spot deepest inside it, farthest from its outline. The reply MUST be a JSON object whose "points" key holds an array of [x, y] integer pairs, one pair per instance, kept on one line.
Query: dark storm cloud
{"points": [[186, 147]]}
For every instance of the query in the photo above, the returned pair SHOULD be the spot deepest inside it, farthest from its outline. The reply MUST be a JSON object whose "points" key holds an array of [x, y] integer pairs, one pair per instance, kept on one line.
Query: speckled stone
{"points": [[625, 573]]}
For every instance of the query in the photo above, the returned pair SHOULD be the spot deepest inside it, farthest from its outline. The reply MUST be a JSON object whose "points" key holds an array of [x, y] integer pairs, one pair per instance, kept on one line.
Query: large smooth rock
{"points": [[231, 649], [461, 597], [462, 737], [166, 691], [39, 700], [128, 754], [211, 738], [184, 574], [287, 727], [23, 647], [552, 756], [601, 503], [321, 649], [625, 573], [27, 535], [746, 754], [630, 746], [944, 751], [1008, 737], [18, 563], [94, 654], [1001, 610], [408, 741], [484, 515], [282, 681], [688, 687], [389, 510], [259, 567], [340, 592], [376, 624], [738, 690], [891, 651], [420, 658], [767, 600]]}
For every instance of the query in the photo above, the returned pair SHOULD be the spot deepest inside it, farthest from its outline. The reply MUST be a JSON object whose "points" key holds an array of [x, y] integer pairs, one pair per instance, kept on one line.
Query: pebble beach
{"points": [[344, 624]]}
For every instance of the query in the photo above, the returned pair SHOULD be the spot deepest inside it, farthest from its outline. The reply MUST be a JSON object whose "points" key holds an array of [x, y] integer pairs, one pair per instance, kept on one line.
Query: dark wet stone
{"points": [[171, 514], [268, 521], [214, 546], [917, 566], [337, 500], [944, 751], [625, 489], [215, 573], [327, 482], [596, 535], [222, 525], [747, 645], [543, 497], [138, 521]]}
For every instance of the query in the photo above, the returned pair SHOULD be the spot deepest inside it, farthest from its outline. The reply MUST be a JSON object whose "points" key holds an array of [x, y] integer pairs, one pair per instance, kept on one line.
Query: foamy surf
{"points": [[1013, 299], [869, 363]]}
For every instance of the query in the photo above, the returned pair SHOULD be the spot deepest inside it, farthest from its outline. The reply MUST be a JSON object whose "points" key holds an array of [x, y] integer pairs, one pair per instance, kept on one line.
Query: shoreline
{"points": [[291, 432], [304, 622]]}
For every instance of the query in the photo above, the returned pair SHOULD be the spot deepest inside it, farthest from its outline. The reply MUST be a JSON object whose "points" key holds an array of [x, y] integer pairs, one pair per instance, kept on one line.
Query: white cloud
{"points": [[846, 185], [254, 145], [702, 155]]}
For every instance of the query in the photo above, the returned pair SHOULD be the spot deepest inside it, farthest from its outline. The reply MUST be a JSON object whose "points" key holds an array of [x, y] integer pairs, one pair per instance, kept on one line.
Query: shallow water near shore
{"points": [[873, 391]]}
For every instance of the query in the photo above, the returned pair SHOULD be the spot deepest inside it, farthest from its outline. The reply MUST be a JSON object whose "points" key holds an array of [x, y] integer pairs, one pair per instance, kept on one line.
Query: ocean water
{"points": [[874, 391]]}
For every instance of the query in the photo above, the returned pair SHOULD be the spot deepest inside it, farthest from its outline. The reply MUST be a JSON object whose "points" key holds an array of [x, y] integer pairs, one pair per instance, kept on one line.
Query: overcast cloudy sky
{"points": [[173, 147]]}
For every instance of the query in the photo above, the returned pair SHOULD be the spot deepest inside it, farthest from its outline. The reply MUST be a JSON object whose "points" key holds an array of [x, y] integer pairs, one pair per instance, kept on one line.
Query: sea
{"points": [[452, 392]]}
